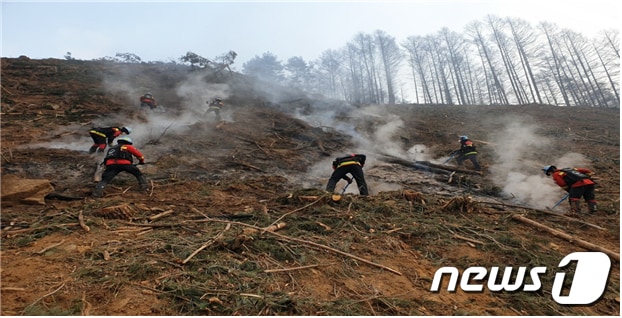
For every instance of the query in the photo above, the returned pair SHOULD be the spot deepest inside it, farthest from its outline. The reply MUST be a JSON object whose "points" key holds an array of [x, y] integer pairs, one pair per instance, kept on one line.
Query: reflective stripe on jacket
{"points": [[347, 163]]}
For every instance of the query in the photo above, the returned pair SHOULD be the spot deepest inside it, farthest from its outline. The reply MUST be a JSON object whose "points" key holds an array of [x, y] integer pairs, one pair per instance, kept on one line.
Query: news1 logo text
{"points": [[588, 284]]}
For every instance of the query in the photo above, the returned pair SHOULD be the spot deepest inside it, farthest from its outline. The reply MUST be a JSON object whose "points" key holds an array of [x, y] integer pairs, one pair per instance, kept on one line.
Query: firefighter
{"points": [[120, 158], [352, 164], [147, 100], [105, 135], [578, 183], [215, 106], [467, 151]]}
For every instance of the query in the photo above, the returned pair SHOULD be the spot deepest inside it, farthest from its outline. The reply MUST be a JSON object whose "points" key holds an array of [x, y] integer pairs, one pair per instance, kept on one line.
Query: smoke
{"points": [[373, 132], [515, 169], [193, 94]]}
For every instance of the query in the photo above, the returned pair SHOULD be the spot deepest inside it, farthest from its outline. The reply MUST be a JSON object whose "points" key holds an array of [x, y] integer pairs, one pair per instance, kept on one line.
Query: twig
{"points": [[287, 238], [155, 142], [160, 215], [293, 268], [206, 244], [468, 239], [38, 299], [247, 165], [299, 209], [50, 247], [8, 233], [81, 221], [86, 306]]}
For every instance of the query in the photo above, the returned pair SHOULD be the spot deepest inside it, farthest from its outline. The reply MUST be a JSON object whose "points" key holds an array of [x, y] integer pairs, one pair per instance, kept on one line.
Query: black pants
{"points": [[357, 174], [99, 143], [587, 192], [113, 170], [472, 158]]}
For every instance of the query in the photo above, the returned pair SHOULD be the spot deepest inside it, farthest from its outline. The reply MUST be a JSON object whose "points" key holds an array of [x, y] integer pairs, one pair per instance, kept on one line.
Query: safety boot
{"points": [[93, 149], [575, 206], [592, 207], [98, 192], [144, 186]]}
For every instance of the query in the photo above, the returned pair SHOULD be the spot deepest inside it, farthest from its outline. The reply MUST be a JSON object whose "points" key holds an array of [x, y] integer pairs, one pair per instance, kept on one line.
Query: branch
{"points": [[287, 238], [545, 212], [567, 237], [293, 268], [206, 244], [299, 209]]}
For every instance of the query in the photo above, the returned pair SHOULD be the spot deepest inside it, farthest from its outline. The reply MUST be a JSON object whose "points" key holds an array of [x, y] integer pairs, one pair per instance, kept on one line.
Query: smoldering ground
{"points": [[517, 166]]}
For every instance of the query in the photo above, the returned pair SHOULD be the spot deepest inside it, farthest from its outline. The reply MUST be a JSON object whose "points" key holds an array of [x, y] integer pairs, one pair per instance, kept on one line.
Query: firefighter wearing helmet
{"points": [[467, 151], [578, 183], [103, 136], [120, 158]]}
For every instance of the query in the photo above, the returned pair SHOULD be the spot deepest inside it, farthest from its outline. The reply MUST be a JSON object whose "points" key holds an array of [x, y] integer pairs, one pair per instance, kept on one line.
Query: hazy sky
{"points": [[166, 30]]}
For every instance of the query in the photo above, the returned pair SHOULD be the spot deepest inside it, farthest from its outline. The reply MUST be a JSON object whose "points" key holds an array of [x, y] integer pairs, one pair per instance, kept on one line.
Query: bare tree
{"points": [[391, 57], [496, 89], [526, 44], [555, 62]]}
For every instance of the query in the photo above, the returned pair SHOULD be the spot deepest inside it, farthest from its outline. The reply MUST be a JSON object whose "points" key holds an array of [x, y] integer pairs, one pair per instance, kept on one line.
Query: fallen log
{"points": [[448, 168], [427, 166], [568, 237], [411, 164], [545, 212]]}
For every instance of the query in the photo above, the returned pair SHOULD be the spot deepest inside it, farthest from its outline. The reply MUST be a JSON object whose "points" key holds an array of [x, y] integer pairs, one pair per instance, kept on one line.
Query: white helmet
{"points": [[124, 140], [548, 169]]}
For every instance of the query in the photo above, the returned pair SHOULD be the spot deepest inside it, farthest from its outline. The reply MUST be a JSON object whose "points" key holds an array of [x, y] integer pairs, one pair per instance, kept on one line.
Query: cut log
{"points": [[427, 166], [568, 237]]}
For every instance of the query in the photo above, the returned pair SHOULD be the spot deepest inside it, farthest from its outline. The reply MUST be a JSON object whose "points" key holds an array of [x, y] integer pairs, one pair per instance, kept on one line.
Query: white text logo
{"points": [[588, 283]]}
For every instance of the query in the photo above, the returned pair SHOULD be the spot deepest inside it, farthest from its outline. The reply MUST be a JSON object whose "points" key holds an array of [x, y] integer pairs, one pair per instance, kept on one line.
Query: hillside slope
{"points": [[197, 244]]}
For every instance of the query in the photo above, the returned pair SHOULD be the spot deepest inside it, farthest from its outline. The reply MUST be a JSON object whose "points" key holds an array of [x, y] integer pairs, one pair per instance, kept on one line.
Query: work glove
{"points": [[141, 162], [349, 180]]}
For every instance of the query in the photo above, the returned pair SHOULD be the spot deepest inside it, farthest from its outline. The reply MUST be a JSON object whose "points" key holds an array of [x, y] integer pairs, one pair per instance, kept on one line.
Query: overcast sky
{"points": [[166, 30]]}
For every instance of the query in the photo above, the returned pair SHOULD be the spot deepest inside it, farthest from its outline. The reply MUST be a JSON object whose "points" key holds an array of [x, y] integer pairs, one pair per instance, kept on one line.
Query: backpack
{"points": [[572, 175], [116, 153]]}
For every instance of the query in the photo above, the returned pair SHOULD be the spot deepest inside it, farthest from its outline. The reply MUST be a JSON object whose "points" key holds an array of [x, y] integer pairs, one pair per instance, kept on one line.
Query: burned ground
{"points": [[236, 221]]}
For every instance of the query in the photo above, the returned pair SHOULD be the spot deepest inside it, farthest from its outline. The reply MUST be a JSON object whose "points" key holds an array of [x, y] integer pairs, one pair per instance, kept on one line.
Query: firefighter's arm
{"points": [[585, 171], [137, 154]]}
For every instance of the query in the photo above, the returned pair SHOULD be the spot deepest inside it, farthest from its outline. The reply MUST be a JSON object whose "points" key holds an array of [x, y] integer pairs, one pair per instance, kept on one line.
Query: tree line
{"points": [[498, 61]]}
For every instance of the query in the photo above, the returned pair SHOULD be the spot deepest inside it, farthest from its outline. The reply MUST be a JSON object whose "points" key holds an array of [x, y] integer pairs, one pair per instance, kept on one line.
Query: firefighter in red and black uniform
{"points": [[120, 158], [352, 164], [105, 135], [467, 151], [147, 100], [578, 183]]}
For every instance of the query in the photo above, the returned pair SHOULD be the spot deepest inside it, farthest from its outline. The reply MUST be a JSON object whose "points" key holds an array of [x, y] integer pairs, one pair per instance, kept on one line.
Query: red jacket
{"points": [[126, 157], [147, 100], [558, 177]]}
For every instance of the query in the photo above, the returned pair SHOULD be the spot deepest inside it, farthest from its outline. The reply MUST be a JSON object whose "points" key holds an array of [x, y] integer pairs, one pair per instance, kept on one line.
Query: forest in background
{"points": [[498, 61]]}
